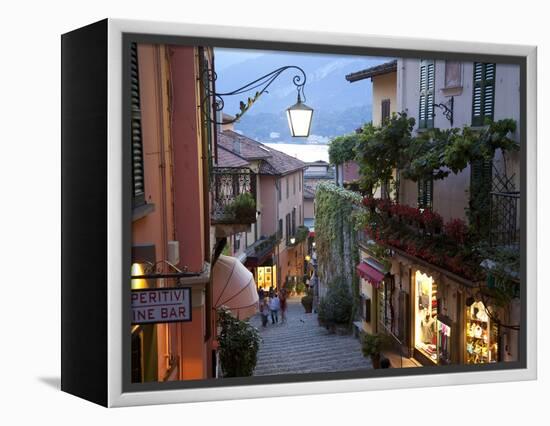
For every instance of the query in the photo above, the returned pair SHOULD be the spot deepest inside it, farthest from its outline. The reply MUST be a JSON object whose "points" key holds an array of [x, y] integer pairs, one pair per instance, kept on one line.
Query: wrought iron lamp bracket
{"points": [[209, 78], [447, 109]]}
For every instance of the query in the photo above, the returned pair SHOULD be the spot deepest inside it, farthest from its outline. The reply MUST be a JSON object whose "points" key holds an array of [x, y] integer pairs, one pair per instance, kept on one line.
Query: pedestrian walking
{"points": [[283, 304], [264, 311], [261, 294], [274, 306], [271, 292]]}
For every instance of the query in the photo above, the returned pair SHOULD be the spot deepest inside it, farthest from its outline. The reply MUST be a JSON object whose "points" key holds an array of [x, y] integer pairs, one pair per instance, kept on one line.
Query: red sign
{"points": [[150, 306]]}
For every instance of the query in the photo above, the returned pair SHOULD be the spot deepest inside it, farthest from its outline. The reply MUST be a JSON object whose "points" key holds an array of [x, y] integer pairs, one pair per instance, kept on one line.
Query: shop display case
{"points": [[481, 335]]}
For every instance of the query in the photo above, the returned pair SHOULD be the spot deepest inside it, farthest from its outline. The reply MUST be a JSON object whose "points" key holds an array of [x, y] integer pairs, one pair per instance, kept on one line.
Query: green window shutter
{"points": [[481, 183], [427, 90], [425, 193], [138, 184], [483, 97]]}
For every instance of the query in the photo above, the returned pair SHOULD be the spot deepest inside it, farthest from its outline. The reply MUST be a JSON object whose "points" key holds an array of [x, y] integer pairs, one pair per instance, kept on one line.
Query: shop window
{"points": [[426, 316], [481, 335]]}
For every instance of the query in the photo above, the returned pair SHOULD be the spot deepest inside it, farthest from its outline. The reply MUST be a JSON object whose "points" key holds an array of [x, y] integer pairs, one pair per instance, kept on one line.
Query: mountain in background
{"points": [[339, 106]]}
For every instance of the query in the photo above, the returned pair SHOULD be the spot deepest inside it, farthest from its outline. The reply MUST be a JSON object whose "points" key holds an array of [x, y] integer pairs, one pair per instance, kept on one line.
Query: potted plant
{"points": [[335, 308], [242, 209], [289, 287], [307, 302], [371, 346], [300, 288], [239, 343]]}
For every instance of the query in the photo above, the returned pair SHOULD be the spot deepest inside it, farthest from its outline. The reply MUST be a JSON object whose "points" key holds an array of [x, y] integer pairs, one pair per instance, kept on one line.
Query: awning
{"points": [[369, 274], [234, 287]]}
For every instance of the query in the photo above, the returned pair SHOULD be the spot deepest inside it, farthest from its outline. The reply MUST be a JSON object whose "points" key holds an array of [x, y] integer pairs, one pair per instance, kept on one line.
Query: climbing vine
{"points": [[336, 236]]}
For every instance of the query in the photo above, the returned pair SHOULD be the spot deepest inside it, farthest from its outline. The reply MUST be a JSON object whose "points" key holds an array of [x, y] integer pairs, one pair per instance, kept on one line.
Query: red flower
{"points": [[369, 202], [456, 230]]}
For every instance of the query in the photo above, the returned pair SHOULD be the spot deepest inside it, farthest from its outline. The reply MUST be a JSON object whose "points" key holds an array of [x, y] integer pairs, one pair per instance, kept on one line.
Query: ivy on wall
{"points": [[336, 236]]}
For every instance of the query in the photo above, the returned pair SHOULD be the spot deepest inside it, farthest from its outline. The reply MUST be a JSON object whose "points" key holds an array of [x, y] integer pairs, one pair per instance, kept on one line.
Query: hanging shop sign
{"points": [[159, 305]]}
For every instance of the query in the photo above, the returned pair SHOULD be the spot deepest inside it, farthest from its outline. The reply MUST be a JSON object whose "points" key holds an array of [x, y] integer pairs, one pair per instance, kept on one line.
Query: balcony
{"points": [[301, 235], [504, 216], [233, 200]]}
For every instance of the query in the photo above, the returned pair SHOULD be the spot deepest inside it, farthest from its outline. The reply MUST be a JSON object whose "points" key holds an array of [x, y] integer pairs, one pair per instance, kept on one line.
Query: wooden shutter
{"points": [[385, 110], [427, 88], [137, 142], [483, 98], [425, 193], [294, 221]]}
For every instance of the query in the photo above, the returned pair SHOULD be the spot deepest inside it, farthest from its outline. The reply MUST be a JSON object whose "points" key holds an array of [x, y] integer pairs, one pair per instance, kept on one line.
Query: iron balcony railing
{"points": [[233, 196], [505, 224]]}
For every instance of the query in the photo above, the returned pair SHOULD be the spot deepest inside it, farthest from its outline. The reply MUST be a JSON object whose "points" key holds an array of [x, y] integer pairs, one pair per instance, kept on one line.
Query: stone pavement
{"points": [[300, 345]]}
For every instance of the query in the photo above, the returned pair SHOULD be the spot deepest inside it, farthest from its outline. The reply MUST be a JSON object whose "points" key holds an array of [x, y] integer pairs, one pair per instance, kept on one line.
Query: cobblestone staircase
{"points": [[300, 345]]}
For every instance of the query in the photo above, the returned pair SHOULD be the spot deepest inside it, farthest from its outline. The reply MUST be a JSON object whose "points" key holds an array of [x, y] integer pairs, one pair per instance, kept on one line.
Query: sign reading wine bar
{"points": [[150, 306]]}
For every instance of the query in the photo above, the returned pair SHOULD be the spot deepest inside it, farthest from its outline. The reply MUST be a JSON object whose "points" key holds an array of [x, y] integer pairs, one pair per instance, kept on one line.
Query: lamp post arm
{"points": [[209, 77]]}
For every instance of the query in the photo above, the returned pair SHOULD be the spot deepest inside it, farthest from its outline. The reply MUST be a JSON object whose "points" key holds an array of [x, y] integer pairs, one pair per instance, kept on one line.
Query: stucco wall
{"points": [[187, 158], [383, 87], [309, 211], [268, 205], [451, 194]]}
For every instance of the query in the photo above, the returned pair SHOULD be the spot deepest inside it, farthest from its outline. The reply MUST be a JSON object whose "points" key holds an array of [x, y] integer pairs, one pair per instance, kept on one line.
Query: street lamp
{"points": [[299, 119], [299, 115], [308, 258]]}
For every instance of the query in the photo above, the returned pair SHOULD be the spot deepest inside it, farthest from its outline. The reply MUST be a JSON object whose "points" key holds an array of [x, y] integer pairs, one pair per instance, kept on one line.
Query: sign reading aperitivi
{"points": [[156, 305]]}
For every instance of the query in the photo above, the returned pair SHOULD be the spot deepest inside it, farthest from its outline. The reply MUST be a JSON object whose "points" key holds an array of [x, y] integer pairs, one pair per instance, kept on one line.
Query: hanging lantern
{"points": [[299, 118]]}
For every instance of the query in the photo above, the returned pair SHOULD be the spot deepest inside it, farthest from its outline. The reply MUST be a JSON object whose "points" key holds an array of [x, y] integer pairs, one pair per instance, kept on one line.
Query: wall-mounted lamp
{"points": [[299, 115]]}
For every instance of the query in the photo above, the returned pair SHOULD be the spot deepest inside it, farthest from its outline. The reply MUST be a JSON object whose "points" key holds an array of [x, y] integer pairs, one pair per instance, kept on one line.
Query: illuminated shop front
{"points": [[481, 335], [266, 276], [433, 332]]}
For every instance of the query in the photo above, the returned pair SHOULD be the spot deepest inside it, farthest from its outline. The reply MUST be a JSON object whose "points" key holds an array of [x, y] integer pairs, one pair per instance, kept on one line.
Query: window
{"points": [[301, 181], [237, 242], [453, 74], [300, 216], [425, 193], [294, 221], [288, 229], [279, 190], [138, 186], [294, 184], [427, 86], [287, 187], [483, 98], [280, 229], [385, 110]]}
